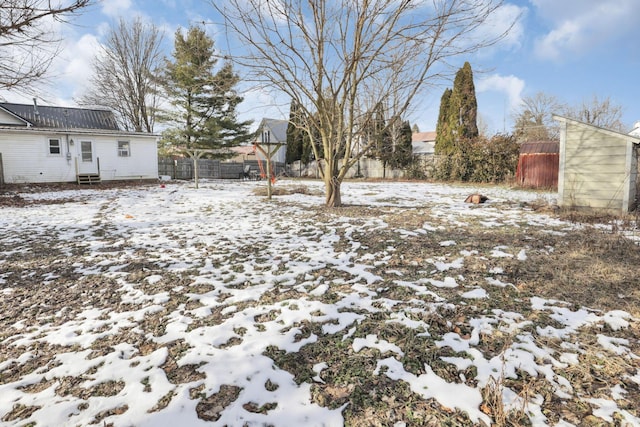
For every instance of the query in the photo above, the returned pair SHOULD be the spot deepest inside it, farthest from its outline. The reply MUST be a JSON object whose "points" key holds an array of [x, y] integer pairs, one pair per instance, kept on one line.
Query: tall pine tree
{"points": [[403, 148], [204, 103], [457, 118], [295, 136], [380, 133], [444, 137], [463, 106]]}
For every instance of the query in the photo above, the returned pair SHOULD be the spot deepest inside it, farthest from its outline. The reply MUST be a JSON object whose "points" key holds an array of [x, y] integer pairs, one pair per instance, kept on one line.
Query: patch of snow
{"points": [[477, 293]]}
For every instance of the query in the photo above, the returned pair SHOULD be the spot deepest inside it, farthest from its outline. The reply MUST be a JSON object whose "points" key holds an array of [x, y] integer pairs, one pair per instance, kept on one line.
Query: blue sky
{"points": [[572, 49]]}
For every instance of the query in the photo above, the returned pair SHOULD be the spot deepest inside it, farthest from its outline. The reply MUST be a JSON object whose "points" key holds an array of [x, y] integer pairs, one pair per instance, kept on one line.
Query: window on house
{"points": [[55, 148], [124, 149]]}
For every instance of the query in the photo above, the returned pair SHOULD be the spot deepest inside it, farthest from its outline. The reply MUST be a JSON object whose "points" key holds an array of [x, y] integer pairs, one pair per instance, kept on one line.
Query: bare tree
{"points": [[598, 112], [28, 44], [124, 74], [340, 59], [534, 119]]}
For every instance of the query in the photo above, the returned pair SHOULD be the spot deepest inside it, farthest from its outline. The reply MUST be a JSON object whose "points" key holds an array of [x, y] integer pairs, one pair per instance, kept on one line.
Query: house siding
{"points": [[141, 164], [9, 119], [26, 157], [594, 169]]}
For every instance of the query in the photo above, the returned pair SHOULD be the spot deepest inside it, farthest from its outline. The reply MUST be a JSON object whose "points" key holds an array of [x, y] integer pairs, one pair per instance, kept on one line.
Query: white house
{"points": [[59, 144], [423, 143]]}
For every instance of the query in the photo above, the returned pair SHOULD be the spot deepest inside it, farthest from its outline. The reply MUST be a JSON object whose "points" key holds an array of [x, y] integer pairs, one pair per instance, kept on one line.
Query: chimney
{"points": [[35, 106]]}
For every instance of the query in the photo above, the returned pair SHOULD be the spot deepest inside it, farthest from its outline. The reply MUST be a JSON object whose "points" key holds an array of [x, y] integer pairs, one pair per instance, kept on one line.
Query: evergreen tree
{"points": [[221, 128], [457, 118], [463, 106], [403, 148], [380, 133], [295, 136], [204, 114], [444, 137]]}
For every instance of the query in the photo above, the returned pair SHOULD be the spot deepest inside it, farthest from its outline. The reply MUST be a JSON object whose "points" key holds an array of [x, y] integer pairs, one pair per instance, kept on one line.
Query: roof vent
{"points": [[35, 106]]}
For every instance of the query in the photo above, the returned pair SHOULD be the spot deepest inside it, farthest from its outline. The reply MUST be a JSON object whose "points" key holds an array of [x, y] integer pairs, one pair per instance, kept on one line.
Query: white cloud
{"points": [[581, 25], [73, 69], [499, 23], [511, 86], [260, 102], [115, 8]]}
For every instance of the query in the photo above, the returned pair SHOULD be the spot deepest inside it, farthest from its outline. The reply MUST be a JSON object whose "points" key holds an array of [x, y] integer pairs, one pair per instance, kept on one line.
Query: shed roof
{"points": [[45, 116], [633, 138], [540, 147]]}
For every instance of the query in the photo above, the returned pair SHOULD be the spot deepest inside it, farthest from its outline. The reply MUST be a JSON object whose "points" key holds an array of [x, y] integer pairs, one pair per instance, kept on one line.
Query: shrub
{"points": [[480, 160]]}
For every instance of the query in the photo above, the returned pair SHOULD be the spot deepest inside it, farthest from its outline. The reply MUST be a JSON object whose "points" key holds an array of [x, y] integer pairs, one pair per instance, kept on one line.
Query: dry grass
{"points": [[283, 190], [585, 266]]}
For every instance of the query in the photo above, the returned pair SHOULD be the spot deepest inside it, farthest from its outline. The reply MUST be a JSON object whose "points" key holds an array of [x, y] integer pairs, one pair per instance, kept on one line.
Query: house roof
{"points": [[423, 136], [277, 128], [244, 149], [45, 116]]}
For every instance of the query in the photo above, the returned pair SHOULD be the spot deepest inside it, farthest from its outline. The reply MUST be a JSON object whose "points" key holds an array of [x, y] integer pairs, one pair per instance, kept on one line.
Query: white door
{"points": [[88, 163]]}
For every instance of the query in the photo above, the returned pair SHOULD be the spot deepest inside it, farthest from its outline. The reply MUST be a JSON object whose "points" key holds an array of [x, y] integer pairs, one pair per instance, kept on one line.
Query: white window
{"points": [[124, 149], [54, 146]]}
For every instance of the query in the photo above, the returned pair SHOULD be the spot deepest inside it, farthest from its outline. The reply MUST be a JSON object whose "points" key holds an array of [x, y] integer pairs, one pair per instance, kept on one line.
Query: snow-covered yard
{"points": [[152, 306]]}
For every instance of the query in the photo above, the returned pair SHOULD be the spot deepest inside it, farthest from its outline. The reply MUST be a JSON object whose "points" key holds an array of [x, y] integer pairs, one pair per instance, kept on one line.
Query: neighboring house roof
{"points": [[636, 130], [540, 147], [43, 116], [423, 137], [277, 128], [244, 149], [423, 143]]}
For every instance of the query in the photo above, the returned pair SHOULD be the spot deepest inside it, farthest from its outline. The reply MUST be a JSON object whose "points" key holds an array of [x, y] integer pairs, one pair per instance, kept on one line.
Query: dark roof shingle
{"points": [[63, 117]]}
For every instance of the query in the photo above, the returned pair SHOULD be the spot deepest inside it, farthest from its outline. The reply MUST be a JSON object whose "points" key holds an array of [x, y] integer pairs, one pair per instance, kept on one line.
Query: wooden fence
{"points": [[183, 168]]}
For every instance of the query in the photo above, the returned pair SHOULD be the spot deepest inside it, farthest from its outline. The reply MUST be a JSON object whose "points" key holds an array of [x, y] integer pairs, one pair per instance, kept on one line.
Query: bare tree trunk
{"points": [[333, 197], [329, 175]]}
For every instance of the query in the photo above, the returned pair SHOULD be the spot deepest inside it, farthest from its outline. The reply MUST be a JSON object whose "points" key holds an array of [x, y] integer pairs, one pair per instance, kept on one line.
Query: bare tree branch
{"points": [[598, 112], [28, 43], [339, 59], [124, 74]]}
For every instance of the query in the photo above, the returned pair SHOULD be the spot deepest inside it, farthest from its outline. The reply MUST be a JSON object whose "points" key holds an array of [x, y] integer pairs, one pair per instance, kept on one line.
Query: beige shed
{"points": [[598, 167]]}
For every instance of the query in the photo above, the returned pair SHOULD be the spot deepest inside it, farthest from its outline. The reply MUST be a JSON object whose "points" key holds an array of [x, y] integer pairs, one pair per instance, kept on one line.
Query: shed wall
{"points": [[595, 170], [538, 170]]}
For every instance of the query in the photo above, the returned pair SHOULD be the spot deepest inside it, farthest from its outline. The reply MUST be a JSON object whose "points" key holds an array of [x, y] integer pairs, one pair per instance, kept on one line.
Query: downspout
{"points": [[68, 144]]}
